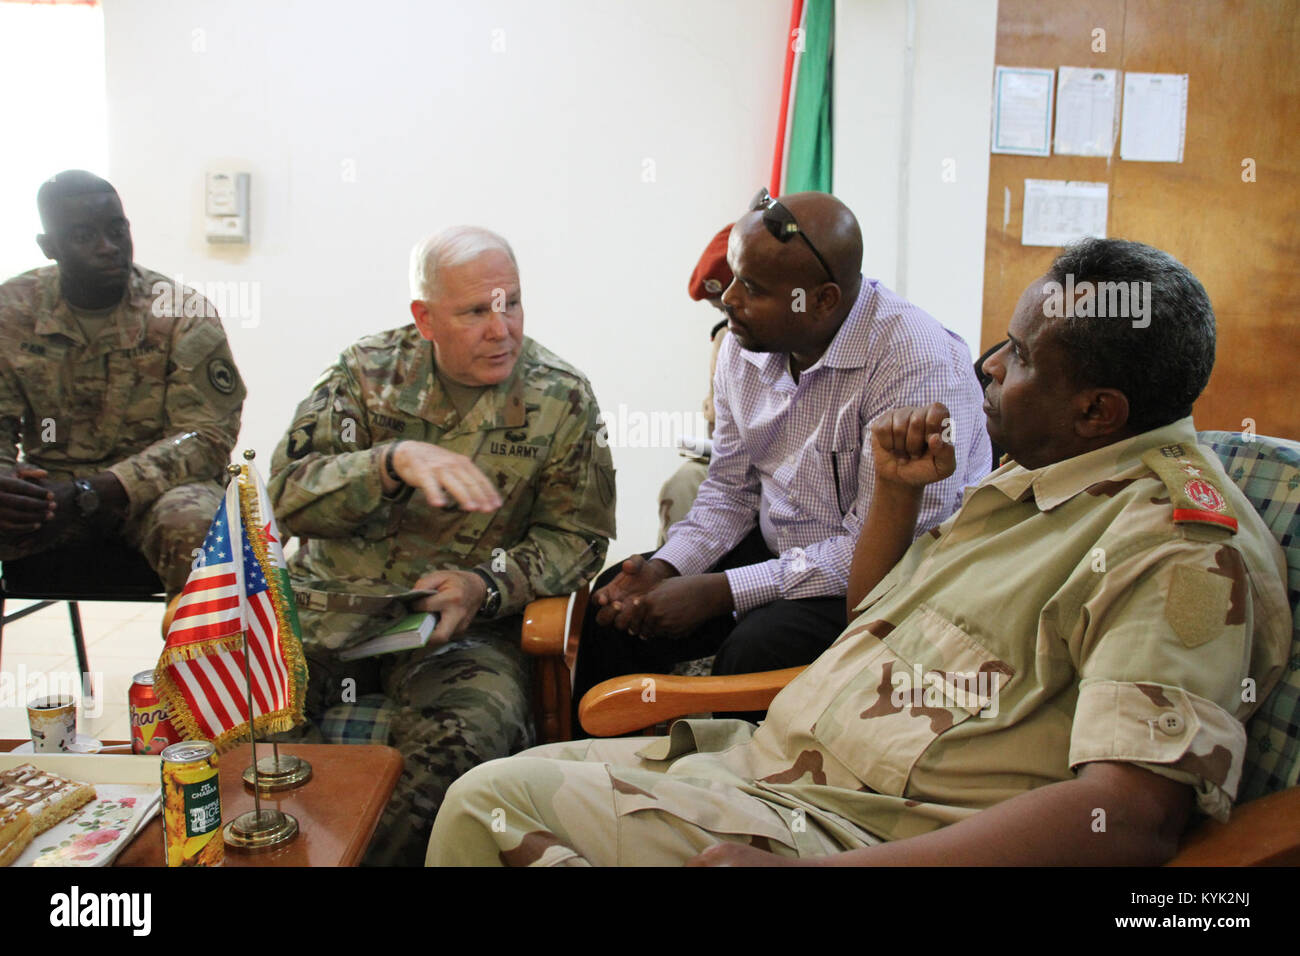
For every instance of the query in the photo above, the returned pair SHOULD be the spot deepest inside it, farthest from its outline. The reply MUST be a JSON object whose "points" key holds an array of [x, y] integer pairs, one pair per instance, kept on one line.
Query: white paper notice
{"points": [[1086, 104], [1059, 212], [1022, 111], [1155, 117]]}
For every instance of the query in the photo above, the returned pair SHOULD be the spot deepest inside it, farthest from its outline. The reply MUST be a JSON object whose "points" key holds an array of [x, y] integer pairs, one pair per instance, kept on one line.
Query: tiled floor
{"points": [[37, 656]]}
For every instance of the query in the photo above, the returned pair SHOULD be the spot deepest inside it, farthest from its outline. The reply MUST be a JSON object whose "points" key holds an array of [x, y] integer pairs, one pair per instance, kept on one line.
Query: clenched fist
{"points": [[913, 446]]}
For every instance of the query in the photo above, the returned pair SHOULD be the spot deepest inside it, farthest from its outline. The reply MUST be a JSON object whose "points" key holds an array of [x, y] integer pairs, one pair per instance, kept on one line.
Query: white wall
{"points": [[366, 126], [60, 122], [899, 120]]}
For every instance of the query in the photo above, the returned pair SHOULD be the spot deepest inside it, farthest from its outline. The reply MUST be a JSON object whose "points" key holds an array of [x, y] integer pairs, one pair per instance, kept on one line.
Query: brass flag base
{"points": [[260, 830], [281, 772]]}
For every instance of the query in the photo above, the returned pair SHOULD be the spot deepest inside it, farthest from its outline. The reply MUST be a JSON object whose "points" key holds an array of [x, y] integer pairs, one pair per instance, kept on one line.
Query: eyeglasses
{"points": [[780, 222]]}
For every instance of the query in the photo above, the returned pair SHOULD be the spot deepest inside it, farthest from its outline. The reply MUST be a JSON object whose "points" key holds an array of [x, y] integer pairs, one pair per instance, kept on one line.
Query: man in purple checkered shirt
{"points": [[757, 572]]}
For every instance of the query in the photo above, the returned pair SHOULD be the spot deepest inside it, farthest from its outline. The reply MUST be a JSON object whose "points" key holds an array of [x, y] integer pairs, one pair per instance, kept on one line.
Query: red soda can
{"points": [[151, 731]]}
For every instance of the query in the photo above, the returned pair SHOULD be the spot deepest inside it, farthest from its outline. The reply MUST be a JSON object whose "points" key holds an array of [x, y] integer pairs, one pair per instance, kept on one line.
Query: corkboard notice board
{"points": [[1230, 210]]}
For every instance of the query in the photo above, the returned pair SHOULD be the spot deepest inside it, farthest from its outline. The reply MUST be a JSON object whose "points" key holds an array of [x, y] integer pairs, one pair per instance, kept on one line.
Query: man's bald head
{"points": [[783, 299], [833, 229]]}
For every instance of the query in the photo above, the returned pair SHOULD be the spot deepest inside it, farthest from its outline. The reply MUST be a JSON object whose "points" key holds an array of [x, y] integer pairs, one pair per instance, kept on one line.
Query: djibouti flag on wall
{"points": [[803, 156]]}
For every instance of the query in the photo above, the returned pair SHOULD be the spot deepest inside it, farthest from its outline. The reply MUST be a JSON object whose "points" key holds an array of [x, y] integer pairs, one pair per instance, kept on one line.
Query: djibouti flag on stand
{"points": [[239, 588], [803, 158]]}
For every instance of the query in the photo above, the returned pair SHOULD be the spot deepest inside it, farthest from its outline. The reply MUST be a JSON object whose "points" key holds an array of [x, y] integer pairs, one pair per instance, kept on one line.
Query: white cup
{"points": [[54, 724]]}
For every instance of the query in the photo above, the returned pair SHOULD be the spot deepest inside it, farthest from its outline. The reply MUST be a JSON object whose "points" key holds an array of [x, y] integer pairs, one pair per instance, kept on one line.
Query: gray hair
{"points": [[451, 247]]}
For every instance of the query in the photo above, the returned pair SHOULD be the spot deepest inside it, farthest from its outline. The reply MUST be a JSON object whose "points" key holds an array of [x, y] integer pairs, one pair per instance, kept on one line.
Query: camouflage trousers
{"points": [[167, 533], [597, 803], [678, 494], [454, 706]]}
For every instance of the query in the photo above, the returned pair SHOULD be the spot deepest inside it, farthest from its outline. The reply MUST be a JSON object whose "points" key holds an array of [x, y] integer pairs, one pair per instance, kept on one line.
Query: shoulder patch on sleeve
{"points": [[319, 398], [221, 375], [1198, 604], [300, 439], [1193, 486]]}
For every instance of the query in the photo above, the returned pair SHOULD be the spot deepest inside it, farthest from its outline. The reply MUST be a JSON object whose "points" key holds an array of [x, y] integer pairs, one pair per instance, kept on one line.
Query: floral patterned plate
{"points": [[97, 832]]}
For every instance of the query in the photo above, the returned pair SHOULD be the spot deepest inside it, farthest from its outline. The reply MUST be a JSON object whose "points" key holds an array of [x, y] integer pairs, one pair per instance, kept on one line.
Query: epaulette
{"points": [[1196, 498]]}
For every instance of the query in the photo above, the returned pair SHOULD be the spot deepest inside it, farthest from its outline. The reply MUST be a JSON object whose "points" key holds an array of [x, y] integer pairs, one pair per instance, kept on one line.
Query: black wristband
{"points": [[388, 463], [492, 599]]}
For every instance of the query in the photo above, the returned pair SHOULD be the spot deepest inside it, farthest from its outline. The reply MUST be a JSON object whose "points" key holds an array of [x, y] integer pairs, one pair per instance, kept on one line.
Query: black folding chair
{"points": [[108, 572]]}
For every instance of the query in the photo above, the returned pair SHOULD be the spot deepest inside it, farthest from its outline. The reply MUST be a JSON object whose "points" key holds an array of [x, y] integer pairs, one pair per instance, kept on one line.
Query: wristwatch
{"points": [[87, 497], [491, 600]]}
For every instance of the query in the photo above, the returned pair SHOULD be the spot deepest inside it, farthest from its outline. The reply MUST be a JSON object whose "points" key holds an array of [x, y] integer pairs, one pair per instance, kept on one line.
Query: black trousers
{"points": [[781, 634]]}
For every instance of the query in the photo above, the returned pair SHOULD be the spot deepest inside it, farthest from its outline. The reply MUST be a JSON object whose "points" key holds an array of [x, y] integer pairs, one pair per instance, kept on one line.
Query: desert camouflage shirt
{"points": [[155, 398], [534, 435], [1124, 605]]}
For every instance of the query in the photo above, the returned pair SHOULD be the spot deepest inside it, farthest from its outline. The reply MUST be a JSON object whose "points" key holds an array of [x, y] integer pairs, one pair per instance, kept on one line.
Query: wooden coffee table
{"points": [[337, 809]]}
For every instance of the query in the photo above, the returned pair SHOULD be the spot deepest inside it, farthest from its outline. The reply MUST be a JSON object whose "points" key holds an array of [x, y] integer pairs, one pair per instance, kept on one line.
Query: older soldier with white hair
{"points": [[456, 458]]}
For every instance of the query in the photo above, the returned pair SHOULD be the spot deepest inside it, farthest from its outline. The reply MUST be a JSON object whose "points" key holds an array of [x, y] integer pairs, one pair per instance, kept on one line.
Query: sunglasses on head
{"points": [[780, 222]]}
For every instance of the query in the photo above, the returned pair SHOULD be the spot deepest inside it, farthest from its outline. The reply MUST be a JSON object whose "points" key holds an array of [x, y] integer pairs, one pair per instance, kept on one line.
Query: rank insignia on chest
{"points": [[1192, 486], [388, 421]]}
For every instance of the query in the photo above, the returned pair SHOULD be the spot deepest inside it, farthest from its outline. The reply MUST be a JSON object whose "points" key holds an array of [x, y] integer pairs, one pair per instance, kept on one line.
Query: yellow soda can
{"points": [[191, 793]]}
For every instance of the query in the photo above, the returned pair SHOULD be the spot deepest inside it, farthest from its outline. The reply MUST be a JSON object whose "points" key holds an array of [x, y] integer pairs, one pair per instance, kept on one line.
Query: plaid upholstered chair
{"points": [[1265, 824], [549, 635]]}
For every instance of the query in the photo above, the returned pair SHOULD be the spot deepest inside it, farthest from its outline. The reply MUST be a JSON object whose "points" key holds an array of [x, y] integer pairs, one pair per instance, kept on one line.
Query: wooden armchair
{"points": [[550, 634], [637, 701], [1263, 832], [1265, 826]]}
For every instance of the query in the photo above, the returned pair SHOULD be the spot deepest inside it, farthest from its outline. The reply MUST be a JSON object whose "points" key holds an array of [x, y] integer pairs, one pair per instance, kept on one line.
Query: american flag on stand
{"points": [[239, 586]]}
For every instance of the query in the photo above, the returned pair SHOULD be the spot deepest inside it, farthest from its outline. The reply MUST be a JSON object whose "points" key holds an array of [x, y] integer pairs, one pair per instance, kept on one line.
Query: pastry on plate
{"points": [[16, 831], [47, 797]]}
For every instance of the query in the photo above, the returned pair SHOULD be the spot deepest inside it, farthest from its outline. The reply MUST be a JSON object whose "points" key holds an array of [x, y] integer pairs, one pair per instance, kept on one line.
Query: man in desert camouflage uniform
{"points": [[1054, 675], [458, 458], [118, 387]]}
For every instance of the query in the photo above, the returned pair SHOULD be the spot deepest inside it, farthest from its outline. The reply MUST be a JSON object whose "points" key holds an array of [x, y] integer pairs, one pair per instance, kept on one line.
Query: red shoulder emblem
{"points": [[1206, 495]]}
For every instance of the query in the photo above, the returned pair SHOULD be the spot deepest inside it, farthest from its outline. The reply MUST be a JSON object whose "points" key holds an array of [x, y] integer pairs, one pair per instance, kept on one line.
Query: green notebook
{"points": [[410, 632]]}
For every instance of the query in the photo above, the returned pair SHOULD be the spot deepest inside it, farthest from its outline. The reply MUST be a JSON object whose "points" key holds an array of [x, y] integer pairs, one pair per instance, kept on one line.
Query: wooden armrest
{"points": [[636, 701], [1263, 832], [543, 632], [550, 628]]}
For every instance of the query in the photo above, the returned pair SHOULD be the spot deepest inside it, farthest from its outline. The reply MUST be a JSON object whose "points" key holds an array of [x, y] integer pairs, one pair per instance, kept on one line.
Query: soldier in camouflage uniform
{"points": [[1057, 674], [118, 387], [459, 458]]}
